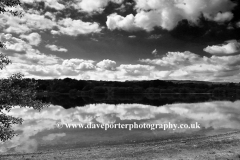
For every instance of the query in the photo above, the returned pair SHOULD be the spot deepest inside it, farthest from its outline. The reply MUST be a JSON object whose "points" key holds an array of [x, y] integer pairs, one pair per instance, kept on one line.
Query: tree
{"points": [[9, 3], [15, 90]]}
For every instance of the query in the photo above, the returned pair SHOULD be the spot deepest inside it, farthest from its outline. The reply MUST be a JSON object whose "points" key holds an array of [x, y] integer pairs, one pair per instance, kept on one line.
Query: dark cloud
{"points": [[206, 31], [236, 11]]}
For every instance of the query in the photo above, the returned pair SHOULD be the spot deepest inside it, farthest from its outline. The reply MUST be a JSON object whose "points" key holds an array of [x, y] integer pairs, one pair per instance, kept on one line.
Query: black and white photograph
{"points": [[119, 80]]}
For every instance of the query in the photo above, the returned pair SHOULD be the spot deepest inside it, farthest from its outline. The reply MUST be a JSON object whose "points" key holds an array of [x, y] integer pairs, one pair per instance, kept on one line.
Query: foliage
{"points": [[9, 3], [136, 87], [14, 91]]}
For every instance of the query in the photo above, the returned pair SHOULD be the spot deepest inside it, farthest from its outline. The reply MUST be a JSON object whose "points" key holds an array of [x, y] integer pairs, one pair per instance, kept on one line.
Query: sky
{"points": [[118, 40]]}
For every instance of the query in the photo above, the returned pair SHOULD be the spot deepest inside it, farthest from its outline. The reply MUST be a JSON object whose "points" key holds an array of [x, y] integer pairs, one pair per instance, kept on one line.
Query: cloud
{"points": [[54, 32], [49, 3], [229, 48], [11, 24], [115, 21], [39, 22], [79, 64], [167, 13], [165, 19], [84, 66], [25, 24], [107, 64], [72, 27], [93, 5], [155, 36], [238, 24], [66, 69], [35, 57], [155, 52], [50, 71], [136, 70], [51, 137], [174, 59], [34, 21], [221, 17], [33, 38], [56, 48], [29, 55], [132, 36], [190, 66], [16, 44], [50, 15], [54, 4], [30, 62], [74, 63]]}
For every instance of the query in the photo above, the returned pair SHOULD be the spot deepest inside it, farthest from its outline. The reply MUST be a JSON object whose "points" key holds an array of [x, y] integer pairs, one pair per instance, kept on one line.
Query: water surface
{"points": [[38, 131]]}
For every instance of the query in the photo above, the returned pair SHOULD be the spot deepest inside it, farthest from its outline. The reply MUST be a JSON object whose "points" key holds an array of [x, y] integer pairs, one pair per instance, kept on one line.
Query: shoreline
{"points": [[222, 146]]}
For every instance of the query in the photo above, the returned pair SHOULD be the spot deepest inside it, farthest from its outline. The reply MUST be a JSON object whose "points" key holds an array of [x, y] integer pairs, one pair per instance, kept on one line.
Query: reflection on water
{"points": [[147, 99], [39, 132]]}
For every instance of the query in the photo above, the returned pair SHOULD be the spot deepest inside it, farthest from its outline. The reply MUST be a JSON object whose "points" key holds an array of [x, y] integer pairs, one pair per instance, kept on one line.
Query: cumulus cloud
{"points": [[25, 24], [33, 38], [35, 21], [79, 64], [40, 22], [54, 4], [93, 5], [50, 15], [16, 44], [72, 27], [187, 65], [87, 65], [115, 21], [30, 56], [229, 48], [56, 48], [49, 71], [35, 57], [12, 24], [49, 3], [221, 17], [167, 13], [136, 70], [174, 58], [107, 64], [54, 32]]}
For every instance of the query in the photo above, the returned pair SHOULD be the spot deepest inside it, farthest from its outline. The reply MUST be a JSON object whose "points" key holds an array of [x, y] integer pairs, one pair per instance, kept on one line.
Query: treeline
{"points": [[84, 87]]}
